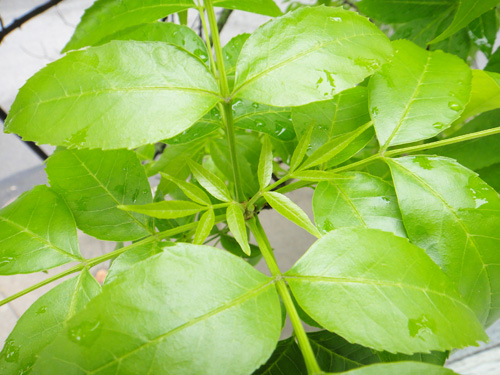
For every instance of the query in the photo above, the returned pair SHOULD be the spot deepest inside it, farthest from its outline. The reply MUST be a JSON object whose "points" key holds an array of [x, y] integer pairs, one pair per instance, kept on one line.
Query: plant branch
{"points": [[304, 344], [25, 18], [89, 263]]}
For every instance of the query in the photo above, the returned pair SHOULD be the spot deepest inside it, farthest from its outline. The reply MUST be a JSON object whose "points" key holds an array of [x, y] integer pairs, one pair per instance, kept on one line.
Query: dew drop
{"points": [[41, 310], [336, 19], [255, 105], [11, 351], [259, 124], [374, 112], [454, 106], [279, 130], [86, 333], [5, 260], [421, 326], [438, 125], [327, 226]]}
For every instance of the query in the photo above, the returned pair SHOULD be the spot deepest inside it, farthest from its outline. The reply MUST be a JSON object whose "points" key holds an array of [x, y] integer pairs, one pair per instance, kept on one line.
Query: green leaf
{"points": [[106, 17], [388, 288], [491, 175], [94, 183], [477, 153], [435, 91], [483, 31], [192, 191], [467, 11], [485, 93], [180, 36], [275, 121], [291, 211], [126, 84], [265, 170], [146, 152], [326, 50], [210, 181], [231, 245], [44, 319], [207, 125], [317, 176], [397, 11], [231, 52], [340, 148], [458, 227], [286, 359], [37, 232], [301, 149], [204, 227], [362, 201], [165, 209], [184, 308], [494, 62], [237, 226], [400, 368], [345, 113]]}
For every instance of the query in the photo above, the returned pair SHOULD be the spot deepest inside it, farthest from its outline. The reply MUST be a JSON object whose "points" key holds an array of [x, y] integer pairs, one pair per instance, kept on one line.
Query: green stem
{"points": [[89, 263], [207, 40], [224, 87], [304, 344]]}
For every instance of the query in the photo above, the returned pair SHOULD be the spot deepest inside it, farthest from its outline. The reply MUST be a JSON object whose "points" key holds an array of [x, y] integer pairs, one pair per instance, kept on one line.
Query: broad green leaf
{"points": [[183, 17], [494, 62], [491, 175], [318, 176], [126, 84], [106, 17], [459, 44], [94, 183], [346, 112], [362, 201], [207, 125], [309, 55], [265, 170], [301, 150], [231, 245], [146, 152], [458, 227], [435, 91], [467, 11], [191, 190], [183, 317], [124, 262], [204, 227], [401, 368], [397, 11], [37, 232], [173, 160], [291, 211], [180, 36], [275, 121], [483, 31], [340, 148], [165, 209], [236, 223], [213, 184], [485, 93], [477, 153], [286, 359], [388, 288], [44, 319]]}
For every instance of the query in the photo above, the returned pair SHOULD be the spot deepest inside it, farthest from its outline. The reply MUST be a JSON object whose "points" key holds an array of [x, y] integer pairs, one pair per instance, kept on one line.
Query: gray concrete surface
{"points": [[27, 50]]}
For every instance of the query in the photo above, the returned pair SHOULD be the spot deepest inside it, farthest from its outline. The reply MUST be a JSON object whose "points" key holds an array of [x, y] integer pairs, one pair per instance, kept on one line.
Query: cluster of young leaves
{"points": [[405, 267]]}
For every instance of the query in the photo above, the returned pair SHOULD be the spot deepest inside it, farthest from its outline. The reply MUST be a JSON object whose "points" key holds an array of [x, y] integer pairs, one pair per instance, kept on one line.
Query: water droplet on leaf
{"points": [[41, 310], [421, 326], [438, 125], [11, 351], [336, 19], [86, 333], [454, 106], [255, 105]]}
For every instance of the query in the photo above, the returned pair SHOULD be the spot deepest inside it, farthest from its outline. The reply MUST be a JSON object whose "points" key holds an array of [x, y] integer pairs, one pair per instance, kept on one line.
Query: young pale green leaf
{"points": [[318, 176], [345, 113], [106, 17], [94, 183], [286, 359], [37, 232], [180, 36], [397, 11], [204, 227], [485, 94], [210, 181], [184, 308], [127, 84], [44, 319], [361, 201], [388, 287], [192, 191], [165, 209], [309, 55], [436, 90], [301, 149], [341, 147], [275, 121], [236, 223], [265, 170], [400, 368], [458, 227], [291, 211], [467, 11]]}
